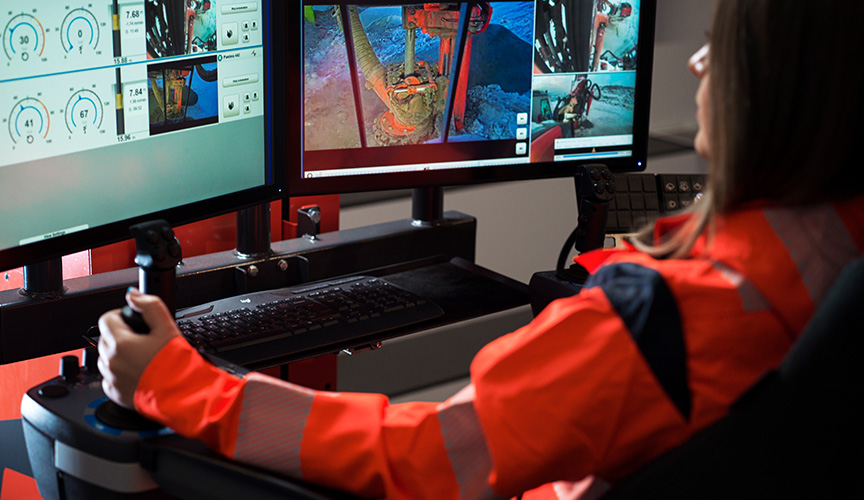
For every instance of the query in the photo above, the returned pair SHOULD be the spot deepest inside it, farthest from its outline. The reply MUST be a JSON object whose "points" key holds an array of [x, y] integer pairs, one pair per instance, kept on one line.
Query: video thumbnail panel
{"points": [[182, 94], [578, 36], [586, 111], [180, 27], [403, 59]]}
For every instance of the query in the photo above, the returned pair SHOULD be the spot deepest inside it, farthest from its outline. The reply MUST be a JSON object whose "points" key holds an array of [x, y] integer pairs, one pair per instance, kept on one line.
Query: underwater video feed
{"points": [[179, 27], [584, 104], [404, 56], [182, 94], [577, 36]]}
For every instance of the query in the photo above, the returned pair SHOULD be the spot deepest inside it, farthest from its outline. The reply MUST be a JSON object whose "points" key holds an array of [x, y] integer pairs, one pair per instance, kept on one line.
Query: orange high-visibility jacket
{"points": [[598, 384]]}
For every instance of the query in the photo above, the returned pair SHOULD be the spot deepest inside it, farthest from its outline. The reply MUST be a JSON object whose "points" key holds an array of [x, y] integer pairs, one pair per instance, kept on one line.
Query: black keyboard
{"points": [[255, 327], [640, 198]]}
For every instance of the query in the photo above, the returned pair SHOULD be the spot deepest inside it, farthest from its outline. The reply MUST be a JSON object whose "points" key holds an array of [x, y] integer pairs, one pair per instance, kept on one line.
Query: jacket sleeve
{"points": [[352, 442], [544, 405]]}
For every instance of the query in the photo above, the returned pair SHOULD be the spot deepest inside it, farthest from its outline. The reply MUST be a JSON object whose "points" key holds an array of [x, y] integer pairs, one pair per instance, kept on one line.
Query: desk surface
{"points": [[462, 289]]}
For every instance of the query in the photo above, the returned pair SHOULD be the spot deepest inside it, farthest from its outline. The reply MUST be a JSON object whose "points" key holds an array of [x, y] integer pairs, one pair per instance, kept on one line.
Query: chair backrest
{"points": [[797, 433]]}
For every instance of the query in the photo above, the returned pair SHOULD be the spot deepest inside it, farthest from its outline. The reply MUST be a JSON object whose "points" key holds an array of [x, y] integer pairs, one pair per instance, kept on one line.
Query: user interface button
{"points": [[231, 106], [234, 81], [238, 8], [229, 34]]}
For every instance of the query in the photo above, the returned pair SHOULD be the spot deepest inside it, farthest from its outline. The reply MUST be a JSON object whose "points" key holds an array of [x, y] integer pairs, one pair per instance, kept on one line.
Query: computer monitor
{"points": [[402, 94], [115, 112]]}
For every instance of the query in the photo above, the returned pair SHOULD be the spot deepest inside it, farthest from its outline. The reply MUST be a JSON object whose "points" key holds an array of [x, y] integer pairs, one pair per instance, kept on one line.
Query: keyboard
{"points": [[255, 327], [640, 198]]}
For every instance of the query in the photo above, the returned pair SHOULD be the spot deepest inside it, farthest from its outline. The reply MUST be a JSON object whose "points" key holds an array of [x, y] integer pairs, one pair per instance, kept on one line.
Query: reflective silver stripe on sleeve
{"points": [[590, 488], [466, 446], [752, 299], [818, 242], [271, 424]]}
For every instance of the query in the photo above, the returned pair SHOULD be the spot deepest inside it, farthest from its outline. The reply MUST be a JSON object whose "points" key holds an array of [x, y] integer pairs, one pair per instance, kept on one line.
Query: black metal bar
{"points": [[59, 324], [461, 38], [352, 68]]}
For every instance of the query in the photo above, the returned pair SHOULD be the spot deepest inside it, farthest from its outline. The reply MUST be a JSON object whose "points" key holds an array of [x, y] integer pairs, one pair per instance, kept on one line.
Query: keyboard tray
{"points": [[256, 327]]}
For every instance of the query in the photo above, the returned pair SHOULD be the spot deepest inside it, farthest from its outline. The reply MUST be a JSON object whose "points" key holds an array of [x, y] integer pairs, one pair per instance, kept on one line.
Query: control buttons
{"points": [[229, 34], [521, 148], [521, 133], [69, 369], [231, 106], [521, 118], [23, 38], [80, 30], [53, 391]]}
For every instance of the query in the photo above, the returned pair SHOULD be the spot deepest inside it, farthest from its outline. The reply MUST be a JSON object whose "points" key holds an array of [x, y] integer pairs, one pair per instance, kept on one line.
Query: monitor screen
{"points": [[113, 112], [398, 94]]}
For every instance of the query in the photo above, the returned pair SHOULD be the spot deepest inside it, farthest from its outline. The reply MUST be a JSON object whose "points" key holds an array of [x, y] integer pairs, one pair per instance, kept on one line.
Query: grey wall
{"points": [[681, 28]]}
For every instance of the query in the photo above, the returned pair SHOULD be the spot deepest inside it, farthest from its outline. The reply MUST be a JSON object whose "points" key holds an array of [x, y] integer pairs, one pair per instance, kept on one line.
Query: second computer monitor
{"points": [[420, 94]]}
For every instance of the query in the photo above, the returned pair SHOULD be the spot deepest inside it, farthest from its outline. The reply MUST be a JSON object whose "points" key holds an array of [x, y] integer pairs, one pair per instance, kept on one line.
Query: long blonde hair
{"points": [[786, 103]]}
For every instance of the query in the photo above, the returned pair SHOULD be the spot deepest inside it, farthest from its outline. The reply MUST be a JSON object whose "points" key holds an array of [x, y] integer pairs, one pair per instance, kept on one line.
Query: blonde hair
{"points": [[786, 103]]}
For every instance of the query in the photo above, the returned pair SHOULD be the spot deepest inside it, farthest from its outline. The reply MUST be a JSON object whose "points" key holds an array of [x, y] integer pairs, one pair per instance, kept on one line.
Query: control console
{"points": [[81, 445]]}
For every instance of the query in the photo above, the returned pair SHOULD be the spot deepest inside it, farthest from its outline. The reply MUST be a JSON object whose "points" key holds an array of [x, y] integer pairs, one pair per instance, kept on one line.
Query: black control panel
{"points": [[640, 198]]}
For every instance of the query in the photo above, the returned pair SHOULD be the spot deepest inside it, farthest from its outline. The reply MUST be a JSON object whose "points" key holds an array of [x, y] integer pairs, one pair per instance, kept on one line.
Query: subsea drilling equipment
{"points": [[416, 92]]}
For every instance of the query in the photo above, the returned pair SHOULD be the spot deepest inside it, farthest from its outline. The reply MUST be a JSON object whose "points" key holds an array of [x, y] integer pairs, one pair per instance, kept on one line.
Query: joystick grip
{"points": [[134, 320], [157, 255]]}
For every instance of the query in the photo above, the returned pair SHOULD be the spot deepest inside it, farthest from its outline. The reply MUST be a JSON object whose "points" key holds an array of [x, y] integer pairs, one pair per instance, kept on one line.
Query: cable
{"points": [[565, 251]]}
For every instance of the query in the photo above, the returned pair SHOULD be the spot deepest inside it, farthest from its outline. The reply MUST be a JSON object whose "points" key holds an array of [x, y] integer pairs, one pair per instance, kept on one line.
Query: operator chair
{"points": [[795, 434]]}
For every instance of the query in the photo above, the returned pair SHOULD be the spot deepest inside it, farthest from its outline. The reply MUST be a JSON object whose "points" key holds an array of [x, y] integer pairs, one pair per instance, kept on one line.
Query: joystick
{"points": [[83, 446], [157, 255], [68, 420]]}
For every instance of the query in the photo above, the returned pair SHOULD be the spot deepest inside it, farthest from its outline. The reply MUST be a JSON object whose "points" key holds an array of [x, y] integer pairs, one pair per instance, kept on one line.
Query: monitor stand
{"points": [[427, 206], [416, 253], [44, 280], [253, 232]]}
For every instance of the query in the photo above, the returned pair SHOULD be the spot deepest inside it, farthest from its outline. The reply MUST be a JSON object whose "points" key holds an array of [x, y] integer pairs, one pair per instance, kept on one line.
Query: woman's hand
{"points": [[124, 354]]}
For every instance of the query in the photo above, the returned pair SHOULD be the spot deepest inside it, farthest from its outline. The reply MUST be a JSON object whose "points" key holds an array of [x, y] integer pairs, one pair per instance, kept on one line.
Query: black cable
{"points": [[565, 251]]}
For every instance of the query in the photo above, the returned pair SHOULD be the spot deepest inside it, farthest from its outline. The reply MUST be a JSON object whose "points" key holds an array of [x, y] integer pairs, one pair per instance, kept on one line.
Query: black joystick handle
{"points": [[157, 255], [134, 319], [594, 190]]}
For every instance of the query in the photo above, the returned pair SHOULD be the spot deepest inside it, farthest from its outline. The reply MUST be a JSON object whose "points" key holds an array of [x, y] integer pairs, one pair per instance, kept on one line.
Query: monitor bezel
{"points": [[274, 15], [299, 186]]}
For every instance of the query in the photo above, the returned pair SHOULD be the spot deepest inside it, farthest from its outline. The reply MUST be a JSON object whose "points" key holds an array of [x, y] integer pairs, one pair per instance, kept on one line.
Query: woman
{"points": [[658, 345]]}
